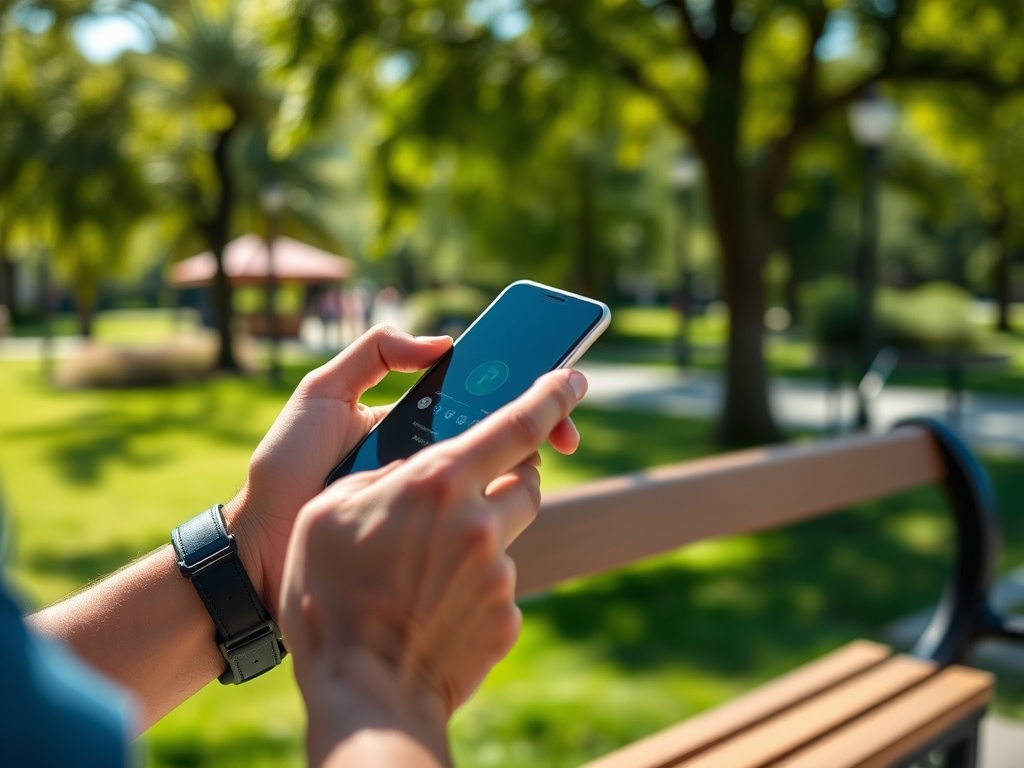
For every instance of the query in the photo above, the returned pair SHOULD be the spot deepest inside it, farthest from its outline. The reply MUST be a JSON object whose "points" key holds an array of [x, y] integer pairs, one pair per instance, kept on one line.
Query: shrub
{"points": [[177, 360], [932, 316]]}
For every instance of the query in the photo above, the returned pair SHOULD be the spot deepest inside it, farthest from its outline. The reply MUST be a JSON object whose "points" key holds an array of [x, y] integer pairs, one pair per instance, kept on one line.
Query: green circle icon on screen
{"points": [[487, 377]]}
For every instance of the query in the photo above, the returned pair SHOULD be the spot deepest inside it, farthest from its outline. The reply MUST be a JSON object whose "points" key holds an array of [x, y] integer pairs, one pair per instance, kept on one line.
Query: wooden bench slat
{"points": [[609, 523], [667, 747], [800, 725], [903, 726]]}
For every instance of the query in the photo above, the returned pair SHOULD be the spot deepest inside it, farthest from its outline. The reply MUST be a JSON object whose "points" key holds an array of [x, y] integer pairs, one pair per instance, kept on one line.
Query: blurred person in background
{"points": [[392, 587]]}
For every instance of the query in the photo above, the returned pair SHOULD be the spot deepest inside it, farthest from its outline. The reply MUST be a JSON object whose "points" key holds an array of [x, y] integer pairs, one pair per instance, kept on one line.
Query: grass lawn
{"points": [[91, 479]]}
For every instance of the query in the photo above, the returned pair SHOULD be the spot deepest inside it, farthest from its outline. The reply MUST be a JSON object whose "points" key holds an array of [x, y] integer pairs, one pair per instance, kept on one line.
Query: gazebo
{"points": [[247, 262]]}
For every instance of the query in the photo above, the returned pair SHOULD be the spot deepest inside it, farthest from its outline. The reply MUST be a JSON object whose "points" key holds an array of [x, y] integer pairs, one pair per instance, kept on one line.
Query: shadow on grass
{"points": [[789, 596], [119, 428], [243, 748], [766, 601]]}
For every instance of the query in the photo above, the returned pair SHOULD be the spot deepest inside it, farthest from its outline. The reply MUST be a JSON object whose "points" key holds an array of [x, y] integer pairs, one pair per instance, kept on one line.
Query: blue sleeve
{"points": [[55, 710]]}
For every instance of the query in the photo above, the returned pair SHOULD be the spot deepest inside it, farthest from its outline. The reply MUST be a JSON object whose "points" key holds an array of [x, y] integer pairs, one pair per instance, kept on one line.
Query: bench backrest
{"points": [[612, 522]]}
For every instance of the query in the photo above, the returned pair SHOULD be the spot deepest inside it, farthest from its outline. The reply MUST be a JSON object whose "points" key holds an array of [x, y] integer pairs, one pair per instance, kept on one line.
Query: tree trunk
{"points": [[218, 230], [1001, 273], [86, 313], [86, 292], [8, 291], [791, 285], [585, 278], [746, 417]]}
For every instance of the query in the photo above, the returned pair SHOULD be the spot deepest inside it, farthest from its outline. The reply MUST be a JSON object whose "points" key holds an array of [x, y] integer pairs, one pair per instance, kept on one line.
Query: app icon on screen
{"points": [[487, 377]]}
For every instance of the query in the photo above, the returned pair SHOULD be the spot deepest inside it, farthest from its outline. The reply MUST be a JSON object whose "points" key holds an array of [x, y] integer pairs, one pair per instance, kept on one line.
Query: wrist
{"points": [[353, 692]]}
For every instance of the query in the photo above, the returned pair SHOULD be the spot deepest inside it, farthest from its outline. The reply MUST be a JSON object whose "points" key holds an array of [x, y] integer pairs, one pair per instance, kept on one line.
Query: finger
{"points": [[512, 433], [378, 412], [369, 358], [565, 438], [516, 498]]}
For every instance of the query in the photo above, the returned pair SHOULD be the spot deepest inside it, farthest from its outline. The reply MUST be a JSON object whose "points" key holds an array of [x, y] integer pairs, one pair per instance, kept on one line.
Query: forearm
{"points": [[145, 627]]}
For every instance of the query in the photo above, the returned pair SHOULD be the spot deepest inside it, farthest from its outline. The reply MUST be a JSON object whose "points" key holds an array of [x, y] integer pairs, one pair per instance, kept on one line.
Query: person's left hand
{"points": [[320, 424]]}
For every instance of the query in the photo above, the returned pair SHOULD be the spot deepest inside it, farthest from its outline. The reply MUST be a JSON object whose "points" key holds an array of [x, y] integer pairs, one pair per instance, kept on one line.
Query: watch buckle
{"points": [[252, 652]]}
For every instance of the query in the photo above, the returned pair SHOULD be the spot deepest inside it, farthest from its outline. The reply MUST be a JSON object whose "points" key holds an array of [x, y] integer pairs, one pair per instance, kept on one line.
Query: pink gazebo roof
{"points": [[246, 263]]}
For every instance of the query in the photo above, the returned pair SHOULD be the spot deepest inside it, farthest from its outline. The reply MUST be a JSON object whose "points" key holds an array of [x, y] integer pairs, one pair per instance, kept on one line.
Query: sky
{"points": [[103, 38]]}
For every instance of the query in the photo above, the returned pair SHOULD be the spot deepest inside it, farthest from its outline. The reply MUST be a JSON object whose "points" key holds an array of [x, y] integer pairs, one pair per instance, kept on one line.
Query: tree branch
{"points": [[686, 18], [634, 74], [811, 113], [932, 68], [723, 16], [807, 82]]}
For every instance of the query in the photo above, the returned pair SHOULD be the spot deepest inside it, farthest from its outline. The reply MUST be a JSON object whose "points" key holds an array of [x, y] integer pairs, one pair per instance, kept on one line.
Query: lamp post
{"points": [[46, 312], [272, 199], [872, 120], [684, 173]]}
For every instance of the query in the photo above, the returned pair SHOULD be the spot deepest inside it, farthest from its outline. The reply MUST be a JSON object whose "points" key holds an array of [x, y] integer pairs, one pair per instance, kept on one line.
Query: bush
{"points": [[932, 316], [445, 310], [175, 361]]}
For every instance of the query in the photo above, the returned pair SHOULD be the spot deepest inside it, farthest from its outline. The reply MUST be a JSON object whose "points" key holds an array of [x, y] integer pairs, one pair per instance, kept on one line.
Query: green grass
{"points": [[92, 479], [118, 325]]}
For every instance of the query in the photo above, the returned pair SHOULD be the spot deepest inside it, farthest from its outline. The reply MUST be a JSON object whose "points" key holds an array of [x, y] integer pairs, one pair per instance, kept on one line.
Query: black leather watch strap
{"points": [[247, 636]]}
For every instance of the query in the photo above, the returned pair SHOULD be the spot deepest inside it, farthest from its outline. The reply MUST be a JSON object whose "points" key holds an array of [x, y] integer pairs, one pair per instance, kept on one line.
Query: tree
{"points": [[72, 187], [979, 136], [208, 81], [485, 160], [745, 84]]}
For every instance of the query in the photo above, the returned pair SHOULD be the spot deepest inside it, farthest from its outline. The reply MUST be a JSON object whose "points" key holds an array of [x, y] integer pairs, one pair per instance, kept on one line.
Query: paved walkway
{"points": [[988, 422]]}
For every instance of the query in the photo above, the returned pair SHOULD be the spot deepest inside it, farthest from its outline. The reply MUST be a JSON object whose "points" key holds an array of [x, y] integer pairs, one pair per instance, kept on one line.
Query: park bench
{"points": [[861, 705]]}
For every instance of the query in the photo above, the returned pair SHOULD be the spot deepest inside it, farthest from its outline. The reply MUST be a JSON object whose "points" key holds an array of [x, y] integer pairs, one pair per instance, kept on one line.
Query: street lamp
{"points": [[684, 174], [273, 201], [872, 120]]}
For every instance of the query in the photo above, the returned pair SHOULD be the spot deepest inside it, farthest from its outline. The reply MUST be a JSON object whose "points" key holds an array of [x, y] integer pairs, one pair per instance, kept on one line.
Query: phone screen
{"points": [[528, 331]]}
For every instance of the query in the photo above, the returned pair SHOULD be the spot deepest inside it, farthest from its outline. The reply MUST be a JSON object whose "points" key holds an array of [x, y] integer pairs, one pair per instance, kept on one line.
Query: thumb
{"points": [[369, 358]]}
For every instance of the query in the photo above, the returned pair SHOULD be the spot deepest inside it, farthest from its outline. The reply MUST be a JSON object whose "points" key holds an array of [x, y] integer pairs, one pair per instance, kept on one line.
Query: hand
{"points": [[320, 424], [398, 597]]}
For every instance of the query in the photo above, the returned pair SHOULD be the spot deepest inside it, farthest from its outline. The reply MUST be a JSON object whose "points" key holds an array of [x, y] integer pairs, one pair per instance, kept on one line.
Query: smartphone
{"points": [[528, 330]]}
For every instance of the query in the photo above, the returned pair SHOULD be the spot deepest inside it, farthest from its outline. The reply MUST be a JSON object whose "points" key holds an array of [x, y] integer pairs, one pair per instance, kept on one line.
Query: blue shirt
{"points": [[54, 709]]}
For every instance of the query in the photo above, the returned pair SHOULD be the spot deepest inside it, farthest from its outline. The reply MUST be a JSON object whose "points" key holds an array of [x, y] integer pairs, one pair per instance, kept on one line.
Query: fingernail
{"points": [[578, 382], [432, 339]]}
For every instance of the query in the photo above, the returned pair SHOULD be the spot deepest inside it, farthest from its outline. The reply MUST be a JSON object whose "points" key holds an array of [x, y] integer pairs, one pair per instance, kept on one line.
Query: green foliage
{"points": [[935, 316]]}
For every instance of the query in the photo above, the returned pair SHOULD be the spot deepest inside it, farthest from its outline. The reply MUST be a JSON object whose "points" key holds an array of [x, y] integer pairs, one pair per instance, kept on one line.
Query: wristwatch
{"points": [[247, 636]]}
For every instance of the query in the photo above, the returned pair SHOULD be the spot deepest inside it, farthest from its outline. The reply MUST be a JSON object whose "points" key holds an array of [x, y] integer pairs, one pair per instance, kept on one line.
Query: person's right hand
{"points": [[398, 596]]}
